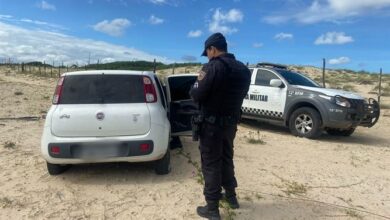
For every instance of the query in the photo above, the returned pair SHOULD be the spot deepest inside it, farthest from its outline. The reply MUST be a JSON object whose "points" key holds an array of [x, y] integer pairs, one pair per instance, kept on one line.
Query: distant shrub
{"points": [[348, 87]]}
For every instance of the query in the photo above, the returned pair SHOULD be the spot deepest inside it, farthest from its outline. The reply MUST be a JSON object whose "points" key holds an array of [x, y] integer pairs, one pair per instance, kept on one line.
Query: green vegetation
{"points": [[294, 188], [9, 145], [255, 140], [353, 214]]}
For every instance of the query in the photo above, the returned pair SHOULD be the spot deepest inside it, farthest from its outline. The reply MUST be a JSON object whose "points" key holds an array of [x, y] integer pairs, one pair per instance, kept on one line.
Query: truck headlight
{"points": [[325, 97], [341, 101]]}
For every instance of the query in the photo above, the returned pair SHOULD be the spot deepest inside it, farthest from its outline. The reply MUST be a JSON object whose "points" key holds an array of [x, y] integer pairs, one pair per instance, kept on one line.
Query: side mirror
{"points": [[276, 83]]}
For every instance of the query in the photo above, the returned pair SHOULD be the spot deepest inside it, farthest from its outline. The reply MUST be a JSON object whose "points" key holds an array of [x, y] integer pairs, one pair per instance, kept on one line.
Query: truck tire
{"points": [[340, 132], [163, 165], [56, 169], [305, 122]]}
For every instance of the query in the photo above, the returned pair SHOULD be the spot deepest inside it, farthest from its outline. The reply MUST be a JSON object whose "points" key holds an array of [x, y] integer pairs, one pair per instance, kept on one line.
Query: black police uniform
{"points": [[220, 89]]}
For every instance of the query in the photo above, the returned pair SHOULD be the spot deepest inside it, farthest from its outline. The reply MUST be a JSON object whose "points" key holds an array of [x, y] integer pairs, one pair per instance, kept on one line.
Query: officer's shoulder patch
{"points": [[201, 75]]}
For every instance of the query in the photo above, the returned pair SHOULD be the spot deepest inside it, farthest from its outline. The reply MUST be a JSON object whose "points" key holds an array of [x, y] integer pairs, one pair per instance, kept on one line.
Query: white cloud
{"points": [[196, 33], [46, 6], [220, 20], [340, 60], [284, 36], [158, 2], [24, 45], [39, 24], [5, 16], [330, 11], [333, 38], [258, 45], [114, 28], [155, 20]]}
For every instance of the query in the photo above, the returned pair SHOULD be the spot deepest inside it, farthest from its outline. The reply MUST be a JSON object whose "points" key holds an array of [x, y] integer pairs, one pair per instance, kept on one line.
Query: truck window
{"points": [[263, 77]]}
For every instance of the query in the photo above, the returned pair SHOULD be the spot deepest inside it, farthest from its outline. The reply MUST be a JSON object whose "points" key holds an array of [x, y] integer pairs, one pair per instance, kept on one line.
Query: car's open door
{"points": [[180, 105]]}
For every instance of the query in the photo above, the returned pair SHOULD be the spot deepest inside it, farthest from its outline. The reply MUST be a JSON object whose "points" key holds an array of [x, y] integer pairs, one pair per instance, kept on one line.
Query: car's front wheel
{"points": [[163, 165], [56, 169], [305, 122]]}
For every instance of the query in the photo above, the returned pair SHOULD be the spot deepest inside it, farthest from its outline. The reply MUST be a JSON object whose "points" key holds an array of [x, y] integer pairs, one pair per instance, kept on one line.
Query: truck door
{"points": [[267, 101], [180, 105]]}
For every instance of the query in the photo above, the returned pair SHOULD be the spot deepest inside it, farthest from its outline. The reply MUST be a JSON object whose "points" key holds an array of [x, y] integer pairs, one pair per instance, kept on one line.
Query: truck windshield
{"points": [[298, 79]]}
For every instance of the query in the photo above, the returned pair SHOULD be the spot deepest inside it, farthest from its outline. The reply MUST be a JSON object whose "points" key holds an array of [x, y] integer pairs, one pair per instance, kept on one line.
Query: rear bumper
{"points": [[105, 149], [93, 150]]}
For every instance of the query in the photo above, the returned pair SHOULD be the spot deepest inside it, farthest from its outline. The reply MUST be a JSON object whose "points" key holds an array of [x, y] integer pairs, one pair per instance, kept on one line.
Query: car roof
{"points": [[109, 72]]}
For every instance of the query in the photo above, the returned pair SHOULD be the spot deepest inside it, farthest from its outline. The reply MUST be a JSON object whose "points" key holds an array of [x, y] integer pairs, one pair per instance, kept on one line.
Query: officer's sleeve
{"points": [[204, 83]]}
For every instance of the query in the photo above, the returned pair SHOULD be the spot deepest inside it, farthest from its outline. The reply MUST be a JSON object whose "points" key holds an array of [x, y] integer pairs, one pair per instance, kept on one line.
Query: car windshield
{"points": [[298, 79]]}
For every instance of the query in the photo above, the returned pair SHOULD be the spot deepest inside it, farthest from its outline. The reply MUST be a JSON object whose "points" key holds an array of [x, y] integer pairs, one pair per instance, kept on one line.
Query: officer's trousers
{"points": [[216, 149]]}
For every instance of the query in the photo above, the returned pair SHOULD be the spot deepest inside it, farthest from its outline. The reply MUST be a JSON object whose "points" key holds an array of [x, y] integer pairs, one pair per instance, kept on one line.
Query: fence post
{"points": [[51, 70], [22, 67], [44, 67], [173, 70], [154, 66], [323, 72], [380, 86]]}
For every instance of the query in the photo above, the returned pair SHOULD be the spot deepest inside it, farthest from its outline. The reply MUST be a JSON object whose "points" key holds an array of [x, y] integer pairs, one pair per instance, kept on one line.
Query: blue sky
{"points": [[351, 34]]}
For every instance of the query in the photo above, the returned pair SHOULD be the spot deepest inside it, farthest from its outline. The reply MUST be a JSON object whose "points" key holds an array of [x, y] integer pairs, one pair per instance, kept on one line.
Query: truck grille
{"points": [[357, 104]]}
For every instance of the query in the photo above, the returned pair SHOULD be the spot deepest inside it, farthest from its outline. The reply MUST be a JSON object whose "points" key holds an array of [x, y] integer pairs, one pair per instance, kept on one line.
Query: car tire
{"points": [[340, 132], [56, 169], [163, 165], [305, 122]]}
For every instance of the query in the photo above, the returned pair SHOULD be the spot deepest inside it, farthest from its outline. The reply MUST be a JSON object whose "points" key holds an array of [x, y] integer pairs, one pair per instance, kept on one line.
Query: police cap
{"points": [[217, 40]]}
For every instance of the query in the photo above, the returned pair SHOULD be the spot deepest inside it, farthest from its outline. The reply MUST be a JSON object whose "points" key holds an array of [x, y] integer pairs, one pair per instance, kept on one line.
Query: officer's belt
{"points": [[221, 120]]}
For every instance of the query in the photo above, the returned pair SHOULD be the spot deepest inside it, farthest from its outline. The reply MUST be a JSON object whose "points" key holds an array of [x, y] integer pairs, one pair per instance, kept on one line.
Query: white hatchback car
{"points": [[115, 116]]}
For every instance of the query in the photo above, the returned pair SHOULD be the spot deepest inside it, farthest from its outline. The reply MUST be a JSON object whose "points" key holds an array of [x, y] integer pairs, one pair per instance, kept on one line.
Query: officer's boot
{"points": [[231, 198], [209, 211]]}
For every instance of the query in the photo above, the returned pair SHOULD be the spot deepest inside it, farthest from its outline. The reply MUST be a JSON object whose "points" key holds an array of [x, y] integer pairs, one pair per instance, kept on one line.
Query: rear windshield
{"points": [[298, 79], [98, 89]]}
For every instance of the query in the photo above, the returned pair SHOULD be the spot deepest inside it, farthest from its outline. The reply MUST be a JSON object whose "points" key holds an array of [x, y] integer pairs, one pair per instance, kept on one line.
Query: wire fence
{"points": [[55, 69]]}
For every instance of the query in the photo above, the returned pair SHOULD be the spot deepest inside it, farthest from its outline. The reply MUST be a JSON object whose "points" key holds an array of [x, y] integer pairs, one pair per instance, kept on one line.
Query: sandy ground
{"points": [[284, 178]]}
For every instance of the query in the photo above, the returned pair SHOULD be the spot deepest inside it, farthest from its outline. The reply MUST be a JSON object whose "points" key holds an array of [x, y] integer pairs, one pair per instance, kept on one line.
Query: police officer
{"points": [[219, 90]]}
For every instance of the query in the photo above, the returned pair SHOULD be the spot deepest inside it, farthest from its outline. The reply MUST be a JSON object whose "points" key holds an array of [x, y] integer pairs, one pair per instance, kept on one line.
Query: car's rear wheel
{"points": [[56, 169], [163, 165], [305, 122], [340, 132]]}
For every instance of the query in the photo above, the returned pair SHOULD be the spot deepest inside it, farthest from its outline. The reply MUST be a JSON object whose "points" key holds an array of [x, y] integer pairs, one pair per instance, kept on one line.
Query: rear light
{"points": [[55, 150], [144, 148], [58, 92], [149, 90]]}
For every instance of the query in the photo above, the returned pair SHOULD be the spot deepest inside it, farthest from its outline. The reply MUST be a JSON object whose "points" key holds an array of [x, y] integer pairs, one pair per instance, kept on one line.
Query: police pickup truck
{"points": [[279, 95]]}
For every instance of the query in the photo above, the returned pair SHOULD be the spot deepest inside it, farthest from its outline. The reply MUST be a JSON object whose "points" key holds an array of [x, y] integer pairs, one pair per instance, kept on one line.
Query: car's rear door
{"points": [[99, 105], [181, 106]]}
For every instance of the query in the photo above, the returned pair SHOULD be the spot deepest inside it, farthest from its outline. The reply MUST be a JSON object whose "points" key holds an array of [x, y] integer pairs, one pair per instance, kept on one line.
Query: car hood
{"points": [[333, 92]]}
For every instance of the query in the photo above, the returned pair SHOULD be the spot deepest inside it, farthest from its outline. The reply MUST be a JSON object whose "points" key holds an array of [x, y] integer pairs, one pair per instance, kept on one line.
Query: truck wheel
{"points": [[56, 169], [163, 165], [340, 132], [305, 122]]}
